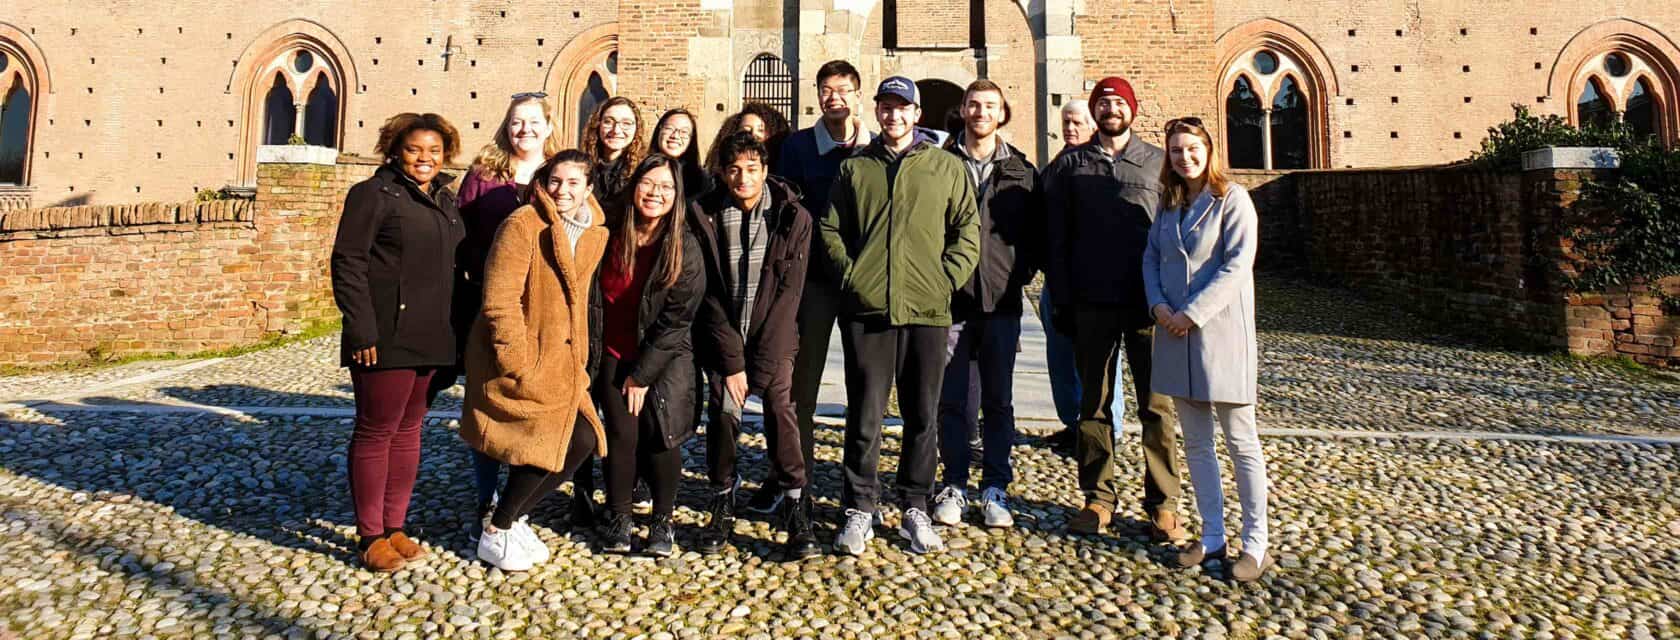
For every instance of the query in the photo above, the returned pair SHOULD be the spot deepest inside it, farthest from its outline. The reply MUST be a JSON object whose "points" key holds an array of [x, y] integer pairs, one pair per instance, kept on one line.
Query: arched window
{"points": [[1272, 116], [295, 78], [1624, 84], [1245, 125], [21, 86], [769, 81], [279, 113], [1289, 126], [320, 118], [1592, 108], [583, 75], [1641, 113]]}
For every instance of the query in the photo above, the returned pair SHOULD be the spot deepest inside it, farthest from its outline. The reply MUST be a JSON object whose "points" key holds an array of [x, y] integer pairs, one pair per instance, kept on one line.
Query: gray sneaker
{"points": [[994, 508], [918, 529], [948, 505], [859, 530]]}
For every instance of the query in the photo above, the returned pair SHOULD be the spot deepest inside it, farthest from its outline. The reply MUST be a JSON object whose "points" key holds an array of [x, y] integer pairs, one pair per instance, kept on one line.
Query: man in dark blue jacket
{"points": [[810, 159]]}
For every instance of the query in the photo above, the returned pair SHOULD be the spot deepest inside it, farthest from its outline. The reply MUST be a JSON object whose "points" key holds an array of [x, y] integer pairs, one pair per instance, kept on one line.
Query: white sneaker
{"points": [[501, 549], [994, 508], [918, 529], [527, 537], [948, 505], [858, 531]]}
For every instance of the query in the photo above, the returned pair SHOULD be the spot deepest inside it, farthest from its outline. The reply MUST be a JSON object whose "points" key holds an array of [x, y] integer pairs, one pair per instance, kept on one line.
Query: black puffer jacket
{"points": [[664, 329], [393, 270], [1012, 228]]}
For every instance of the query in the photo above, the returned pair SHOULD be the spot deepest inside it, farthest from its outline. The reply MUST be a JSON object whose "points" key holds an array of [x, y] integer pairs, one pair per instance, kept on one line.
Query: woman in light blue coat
{"points": [[1198, 273]]}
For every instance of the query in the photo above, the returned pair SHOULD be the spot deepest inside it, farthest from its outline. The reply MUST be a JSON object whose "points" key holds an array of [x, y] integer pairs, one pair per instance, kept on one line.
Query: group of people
{"points": [[597, 298]]}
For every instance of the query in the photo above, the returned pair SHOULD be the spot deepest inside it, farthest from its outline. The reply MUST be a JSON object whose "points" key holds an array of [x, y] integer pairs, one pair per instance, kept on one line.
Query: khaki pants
{"points": [[1100, 337]]}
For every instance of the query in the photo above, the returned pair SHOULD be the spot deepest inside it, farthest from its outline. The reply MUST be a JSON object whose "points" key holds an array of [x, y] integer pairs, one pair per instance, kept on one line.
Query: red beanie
{"points": [[1113, 86]]}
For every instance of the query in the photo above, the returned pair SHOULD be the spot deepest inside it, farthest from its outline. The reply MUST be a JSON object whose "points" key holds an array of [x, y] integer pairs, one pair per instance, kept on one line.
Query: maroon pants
{"points": [[385, 446]]}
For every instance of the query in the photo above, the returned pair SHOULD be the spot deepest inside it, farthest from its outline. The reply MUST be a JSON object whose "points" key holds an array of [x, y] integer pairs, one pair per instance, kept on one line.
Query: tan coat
{"points": [[526, 359]]}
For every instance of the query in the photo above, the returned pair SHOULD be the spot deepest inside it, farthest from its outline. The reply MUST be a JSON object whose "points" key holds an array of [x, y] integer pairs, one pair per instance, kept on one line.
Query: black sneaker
{"points": [[615, 533], [721, 526], [662, 540], [766, 500], [802, 538]]}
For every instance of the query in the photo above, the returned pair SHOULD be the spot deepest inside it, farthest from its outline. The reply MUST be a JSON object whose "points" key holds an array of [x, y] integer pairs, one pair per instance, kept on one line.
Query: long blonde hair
{"points": [[495, 160], [1175, 189]]}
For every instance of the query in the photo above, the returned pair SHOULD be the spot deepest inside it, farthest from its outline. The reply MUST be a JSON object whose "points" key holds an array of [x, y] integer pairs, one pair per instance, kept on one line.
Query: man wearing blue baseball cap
{"points": [[902, 233]]}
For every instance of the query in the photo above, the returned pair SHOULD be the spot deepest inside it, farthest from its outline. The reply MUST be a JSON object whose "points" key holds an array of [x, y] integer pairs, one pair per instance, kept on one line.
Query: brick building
{"points": [[111, 102]]}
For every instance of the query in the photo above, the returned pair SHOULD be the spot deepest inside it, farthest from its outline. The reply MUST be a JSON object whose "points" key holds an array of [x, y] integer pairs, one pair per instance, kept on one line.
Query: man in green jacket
{"points": [[902, 231]]}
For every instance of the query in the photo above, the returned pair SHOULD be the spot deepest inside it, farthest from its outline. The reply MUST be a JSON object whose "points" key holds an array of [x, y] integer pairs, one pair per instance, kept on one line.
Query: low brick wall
{"points": [[171, 277], [1479, 250]]}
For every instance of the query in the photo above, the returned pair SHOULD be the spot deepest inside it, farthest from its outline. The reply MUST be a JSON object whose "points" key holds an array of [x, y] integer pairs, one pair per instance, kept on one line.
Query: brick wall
{"points": [[1136, 39], [171, 277], [1478, 250]]}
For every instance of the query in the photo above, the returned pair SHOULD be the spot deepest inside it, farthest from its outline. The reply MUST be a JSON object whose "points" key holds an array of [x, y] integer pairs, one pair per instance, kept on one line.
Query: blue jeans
{"points": [[1064, 376], [487, 473], [989, 342]]}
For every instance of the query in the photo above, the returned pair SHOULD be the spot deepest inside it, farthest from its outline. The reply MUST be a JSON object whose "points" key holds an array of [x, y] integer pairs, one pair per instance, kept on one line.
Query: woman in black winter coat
{"points": [[393, 276], [642, 310]]}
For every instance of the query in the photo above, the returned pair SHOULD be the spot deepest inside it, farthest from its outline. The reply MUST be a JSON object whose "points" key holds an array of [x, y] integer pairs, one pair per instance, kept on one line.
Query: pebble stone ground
{"points": [[117, 523]]}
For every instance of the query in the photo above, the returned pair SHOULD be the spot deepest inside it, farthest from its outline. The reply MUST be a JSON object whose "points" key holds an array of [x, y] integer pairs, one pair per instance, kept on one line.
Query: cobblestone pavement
{"points": [[120, 523]]}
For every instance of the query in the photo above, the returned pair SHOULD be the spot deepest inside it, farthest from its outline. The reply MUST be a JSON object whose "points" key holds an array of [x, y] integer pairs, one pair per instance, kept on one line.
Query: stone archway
{"points": [[941, 99]]}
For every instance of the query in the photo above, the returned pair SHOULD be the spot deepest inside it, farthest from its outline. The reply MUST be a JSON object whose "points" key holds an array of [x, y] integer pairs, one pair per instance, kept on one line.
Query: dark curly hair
{"points": [[396, 130], [776, 130], [593, 146]]}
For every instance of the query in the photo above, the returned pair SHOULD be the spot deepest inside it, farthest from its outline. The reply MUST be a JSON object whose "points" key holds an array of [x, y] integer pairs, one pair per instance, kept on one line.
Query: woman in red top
{"points": [[650, 284]]}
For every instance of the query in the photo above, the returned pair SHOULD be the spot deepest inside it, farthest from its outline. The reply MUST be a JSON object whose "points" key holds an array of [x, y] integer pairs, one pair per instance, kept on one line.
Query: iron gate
{"points": [[769, 81]]}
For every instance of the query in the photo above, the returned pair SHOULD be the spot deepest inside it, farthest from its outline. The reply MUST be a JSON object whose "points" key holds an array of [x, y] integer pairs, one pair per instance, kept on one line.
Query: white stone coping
{"points": [[1571, 158], [296, 154]]}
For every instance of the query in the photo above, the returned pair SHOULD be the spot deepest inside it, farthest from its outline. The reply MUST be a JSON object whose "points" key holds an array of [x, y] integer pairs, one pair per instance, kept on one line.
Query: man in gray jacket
{"points": [[1100, 198]]}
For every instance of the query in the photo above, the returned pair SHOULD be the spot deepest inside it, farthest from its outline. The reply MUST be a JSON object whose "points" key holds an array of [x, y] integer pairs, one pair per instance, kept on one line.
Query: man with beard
{"points": [[1101, 197]]}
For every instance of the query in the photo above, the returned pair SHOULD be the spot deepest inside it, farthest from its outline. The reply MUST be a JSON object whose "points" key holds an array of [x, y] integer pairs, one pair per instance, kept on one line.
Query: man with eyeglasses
{"points": [[810, 159], [1100, 199], [902, 234]]}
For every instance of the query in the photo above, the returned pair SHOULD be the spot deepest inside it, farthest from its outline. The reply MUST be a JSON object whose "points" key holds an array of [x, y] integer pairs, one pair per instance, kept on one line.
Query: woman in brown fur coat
{"points": [[528, 401]]}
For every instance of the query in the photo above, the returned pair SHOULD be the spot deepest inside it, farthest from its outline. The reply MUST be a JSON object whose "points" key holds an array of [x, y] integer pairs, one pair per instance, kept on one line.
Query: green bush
{"points": [[1506, 142]]}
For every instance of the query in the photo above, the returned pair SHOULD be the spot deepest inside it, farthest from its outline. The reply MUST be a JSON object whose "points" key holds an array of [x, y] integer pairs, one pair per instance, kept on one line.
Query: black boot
{"points": [[802, 539], [615, 533], [716, 535], [662, 540]]}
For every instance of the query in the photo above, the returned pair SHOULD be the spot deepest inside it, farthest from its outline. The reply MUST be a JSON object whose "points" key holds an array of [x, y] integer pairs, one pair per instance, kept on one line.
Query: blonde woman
{"points": [[1198, 273]]}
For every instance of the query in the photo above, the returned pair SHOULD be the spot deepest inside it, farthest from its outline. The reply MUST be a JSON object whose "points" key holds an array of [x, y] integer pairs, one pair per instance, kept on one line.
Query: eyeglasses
{"points": [[658, 187], [826, 93], [529, 94], [678, 134], [1188, 121], [609, 123]]}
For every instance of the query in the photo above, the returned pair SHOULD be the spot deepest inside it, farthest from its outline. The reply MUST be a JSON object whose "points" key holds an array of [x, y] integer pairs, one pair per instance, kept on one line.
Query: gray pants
{"points": [[1242, 442]]}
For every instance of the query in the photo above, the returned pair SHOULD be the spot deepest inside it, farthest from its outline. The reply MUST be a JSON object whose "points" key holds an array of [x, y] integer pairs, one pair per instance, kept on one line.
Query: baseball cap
{"points": [[899, 86]]}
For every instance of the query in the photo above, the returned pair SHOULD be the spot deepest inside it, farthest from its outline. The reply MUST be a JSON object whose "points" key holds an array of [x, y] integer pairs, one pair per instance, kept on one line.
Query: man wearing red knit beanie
{"points": [[1101, 198]]}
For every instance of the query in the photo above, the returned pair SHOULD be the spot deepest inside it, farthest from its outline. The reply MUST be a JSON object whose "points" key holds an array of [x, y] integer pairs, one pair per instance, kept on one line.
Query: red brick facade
{"points": [[123, 90]]}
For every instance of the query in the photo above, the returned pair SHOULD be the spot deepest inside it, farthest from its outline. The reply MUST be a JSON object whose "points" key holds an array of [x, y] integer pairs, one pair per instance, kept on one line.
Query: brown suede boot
{"points": [[1166, 527], [382, 557], [406, 546], [1094, 518], [1191, 554]]}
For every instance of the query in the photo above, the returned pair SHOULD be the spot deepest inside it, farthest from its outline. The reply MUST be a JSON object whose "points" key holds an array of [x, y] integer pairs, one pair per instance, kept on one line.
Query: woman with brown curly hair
{"points": [[393, 276], [615, 142], [766, 124]]}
